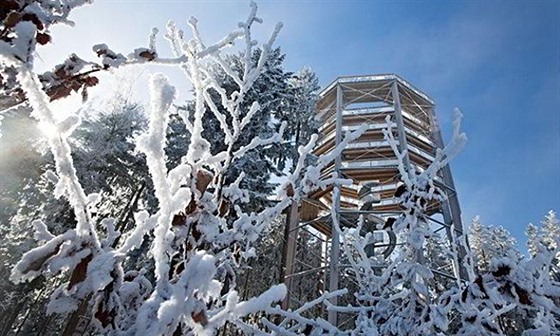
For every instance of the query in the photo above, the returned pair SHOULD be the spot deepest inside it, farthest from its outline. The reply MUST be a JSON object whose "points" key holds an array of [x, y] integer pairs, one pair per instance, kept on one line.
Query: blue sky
{"points": [[498, 61]]}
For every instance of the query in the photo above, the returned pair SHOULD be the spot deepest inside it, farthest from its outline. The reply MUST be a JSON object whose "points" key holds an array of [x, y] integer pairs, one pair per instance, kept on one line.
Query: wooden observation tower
{"points": [[346, 104]]}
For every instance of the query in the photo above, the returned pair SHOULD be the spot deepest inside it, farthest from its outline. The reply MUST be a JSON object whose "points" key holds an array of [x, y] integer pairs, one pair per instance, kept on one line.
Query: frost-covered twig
{"points": [[153, 145]]}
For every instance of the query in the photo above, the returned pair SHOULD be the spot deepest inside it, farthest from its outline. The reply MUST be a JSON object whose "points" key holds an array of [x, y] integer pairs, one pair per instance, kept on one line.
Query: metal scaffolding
{"points": [[344, 105]]}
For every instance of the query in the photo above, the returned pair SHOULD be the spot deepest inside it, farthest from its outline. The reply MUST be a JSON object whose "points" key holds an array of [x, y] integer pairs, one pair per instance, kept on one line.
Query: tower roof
{"points": [[383, 79]]}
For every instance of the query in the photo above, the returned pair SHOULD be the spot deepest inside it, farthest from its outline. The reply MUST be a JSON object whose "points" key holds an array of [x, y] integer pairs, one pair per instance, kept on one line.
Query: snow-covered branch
{"points": [[199, 234]]}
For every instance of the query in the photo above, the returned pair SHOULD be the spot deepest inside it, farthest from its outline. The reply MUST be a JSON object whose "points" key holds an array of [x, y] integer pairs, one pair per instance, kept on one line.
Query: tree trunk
{"points": [[75, 317], [246, 283], [13, 316], [30, 310], [46, 322], [129, 210]]}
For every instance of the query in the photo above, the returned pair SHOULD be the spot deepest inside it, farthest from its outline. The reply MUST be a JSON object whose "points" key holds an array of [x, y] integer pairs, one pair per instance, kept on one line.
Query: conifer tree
{"points": [[489, 243]]}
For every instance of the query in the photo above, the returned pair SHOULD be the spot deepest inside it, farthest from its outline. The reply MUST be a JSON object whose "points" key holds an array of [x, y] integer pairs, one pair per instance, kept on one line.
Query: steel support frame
{"points": [[335, 239], [451, 208], [403, 143], [290, 247]]}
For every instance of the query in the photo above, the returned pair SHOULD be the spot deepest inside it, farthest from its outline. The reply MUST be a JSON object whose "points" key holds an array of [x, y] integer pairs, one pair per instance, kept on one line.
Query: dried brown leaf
{"points": [[203, 179], [80, 272], [34, 19], [43, 38], [148, 55], [200, 318], [12, 19]]}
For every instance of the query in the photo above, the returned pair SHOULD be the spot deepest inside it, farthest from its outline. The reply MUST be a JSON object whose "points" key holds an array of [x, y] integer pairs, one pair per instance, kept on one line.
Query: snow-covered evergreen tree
{"points": [[21, 165], [489, 243], [545, 238], [299, 113], [103, 152], [282, 97]]}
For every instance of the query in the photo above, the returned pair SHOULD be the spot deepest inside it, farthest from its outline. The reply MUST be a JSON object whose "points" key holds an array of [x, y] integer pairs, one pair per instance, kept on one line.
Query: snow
{"points": [[108, 57], [42, 233], [33, 262], [68, 182], [196, 249]]}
